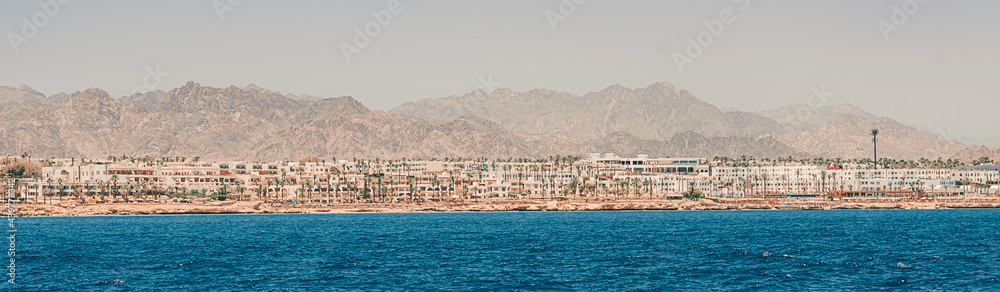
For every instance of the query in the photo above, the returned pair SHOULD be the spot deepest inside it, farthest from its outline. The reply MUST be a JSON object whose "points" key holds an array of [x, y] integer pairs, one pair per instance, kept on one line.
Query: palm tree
{"points": [[239, 189], [60, 181], [784, 183], [76, 190], [814, 183], [746, 186], [763, 177], [305, 191], [822, 186], [692, 192], [874, 134], [649, 186], [268, 194], [48, 187]]}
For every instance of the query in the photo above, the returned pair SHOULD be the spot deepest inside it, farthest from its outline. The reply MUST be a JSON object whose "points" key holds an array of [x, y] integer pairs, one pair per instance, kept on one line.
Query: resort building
{"points": [[597, 175]]}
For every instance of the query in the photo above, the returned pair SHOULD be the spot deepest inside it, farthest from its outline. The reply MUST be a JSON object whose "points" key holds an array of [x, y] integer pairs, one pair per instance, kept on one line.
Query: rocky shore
{"points": [[260, 207]]}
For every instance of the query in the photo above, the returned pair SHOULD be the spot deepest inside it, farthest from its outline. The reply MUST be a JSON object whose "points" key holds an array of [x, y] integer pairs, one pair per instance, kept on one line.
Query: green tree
{"points": [[15, 170], [693, 193]]}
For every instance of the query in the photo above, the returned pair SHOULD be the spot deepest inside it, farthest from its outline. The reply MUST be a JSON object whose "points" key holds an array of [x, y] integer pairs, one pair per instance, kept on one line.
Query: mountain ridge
{"points": [[251, 122], [660, 108], [846, 137]]}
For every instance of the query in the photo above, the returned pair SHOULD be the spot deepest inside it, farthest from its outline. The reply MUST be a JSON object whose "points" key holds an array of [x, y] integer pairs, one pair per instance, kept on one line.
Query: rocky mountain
{"points": [[245, 123], [691, 144], [241, 123], [62, 125], [972, 154], [847, 136], [194, 120], [16, 97], [343, 127], [254, 123], [801, 116], [299, 97], [986, 141], [13, 98], [653, 118], [658, 111]]}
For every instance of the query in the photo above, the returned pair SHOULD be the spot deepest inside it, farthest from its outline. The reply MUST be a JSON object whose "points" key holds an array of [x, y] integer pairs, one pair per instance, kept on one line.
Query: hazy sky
{"points": [[939, 67]]}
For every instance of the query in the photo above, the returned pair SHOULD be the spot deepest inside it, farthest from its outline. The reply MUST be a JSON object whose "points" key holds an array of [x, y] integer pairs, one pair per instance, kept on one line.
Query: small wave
{"points": [[115, 281], [156, 267], [330, 277]]}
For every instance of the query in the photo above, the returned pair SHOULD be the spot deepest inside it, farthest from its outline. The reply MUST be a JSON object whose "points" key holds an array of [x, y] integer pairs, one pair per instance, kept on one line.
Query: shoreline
{"points": [[260, 207]]}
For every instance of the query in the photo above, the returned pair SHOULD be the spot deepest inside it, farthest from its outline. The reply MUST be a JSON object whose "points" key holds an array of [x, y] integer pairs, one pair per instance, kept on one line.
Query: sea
{"points": [[561, 251]]}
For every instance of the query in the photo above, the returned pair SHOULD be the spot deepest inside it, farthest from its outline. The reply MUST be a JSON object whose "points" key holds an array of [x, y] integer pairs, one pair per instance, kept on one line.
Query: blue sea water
{"points": [[737, 250]]}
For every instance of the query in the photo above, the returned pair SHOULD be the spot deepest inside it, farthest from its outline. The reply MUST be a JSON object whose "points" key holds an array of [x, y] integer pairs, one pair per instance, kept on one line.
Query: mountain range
{"points": [[253, 123], [658, 111]]}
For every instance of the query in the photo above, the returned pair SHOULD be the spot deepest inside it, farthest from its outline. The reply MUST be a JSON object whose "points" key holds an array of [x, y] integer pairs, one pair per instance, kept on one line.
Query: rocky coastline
{"points": [[261, 207]]}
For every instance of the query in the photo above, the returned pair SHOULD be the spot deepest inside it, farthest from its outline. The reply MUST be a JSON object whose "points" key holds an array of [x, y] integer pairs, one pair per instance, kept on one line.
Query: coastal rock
{"points": [[258, 207]]}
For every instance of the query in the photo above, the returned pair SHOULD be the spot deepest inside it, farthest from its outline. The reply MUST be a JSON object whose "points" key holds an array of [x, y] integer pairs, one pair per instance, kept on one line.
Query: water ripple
{"points": [[740, 250]]}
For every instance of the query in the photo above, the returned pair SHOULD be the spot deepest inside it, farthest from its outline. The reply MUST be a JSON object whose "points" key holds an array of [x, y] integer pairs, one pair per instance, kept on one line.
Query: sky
{"points": [[928, 63]]}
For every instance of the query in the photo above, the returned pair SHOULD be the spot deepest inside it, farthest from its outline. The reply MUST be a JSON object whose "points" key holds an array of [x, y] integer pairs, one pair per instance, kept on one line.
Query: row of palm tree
{"points": [[109, 190], [883, 163]]}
